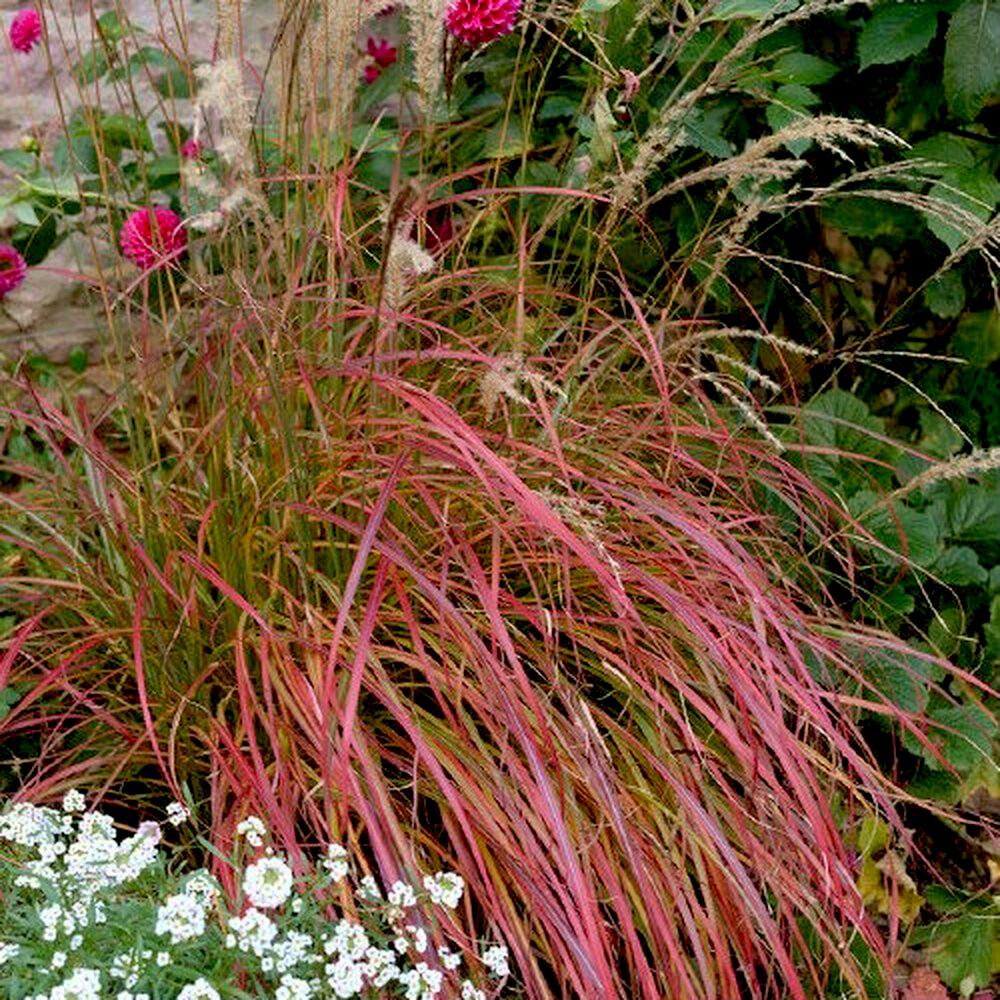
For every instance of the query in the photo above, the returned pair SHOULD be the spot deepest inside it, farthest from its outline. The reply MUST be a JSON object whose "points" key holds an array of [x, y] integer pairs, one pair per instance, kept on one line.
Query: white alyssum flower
{"points": [[34, 826], [335, 862], [293, 988], [253, 829], [418, 938], [8, 951], [182, 917], [202, 887], [401, 894], [470, 992], [83, 984], [268, 882], [445, 888], [178, 814], [58, 960], [73, 801], [451, 960], [421, 982], [368, 889], [348, 939], [382, 968], [200, 989], [293, 949], [163, 958], [253, 932], [495, 958], [345, 977]]}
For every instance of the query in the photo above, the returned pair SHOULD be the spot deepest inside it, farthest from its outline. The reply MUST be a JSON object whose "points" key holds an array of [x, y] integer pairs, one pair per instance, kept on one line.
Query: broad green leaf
{"points": [[902, 680], [974, 513], [557, 106], [8, 697], [959, 565], [972, 57], [962, 734], [974, 191], [896, 32], [729, 10], [943, 153], [602, 144], [945, 295], [962, 950], [804, 69], [838, 419], [18, 160], [598, 6], [112, 26], [902, 531], [703, 129], [25, 213], [126, 131], [505, 140], [977, 338]]}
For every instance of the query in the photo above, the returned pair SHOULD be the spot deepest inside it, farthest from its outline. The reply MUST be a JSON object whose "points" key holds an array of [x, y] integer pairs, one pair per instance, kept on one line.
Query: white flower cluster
{"points": [[76, 874]]}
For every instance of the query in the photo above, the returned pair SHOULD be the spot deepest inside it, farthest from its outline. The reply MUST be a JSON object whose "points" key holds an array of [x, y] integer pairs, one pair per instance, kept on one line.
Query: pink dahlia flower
{"points": [[381, 51], [383, 54], [476, 22], [26, 29], [151, 236], [191, 149], [12, 269]]}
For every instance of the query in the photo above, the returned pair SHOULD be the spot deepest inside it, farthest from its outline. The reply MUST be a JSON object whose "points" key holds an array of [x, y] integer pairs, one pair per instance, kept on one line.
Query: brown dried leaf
{"points": [[925, 984]]}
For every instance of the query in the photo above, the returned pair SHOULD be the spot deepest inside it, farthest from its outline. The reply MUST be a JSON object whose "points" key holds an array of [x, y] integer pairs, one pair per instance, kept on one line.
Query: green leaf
{"points": [[959, 565], [963, 735], [974, 513], [902, 531], [176, 83], [75, 153], [8, 699], [18, 160], [78, 360], [945, 295], [557, 106], [729, 10], [91, 67], [112, 26], [896, 32], [602, 144], [962, 950], [977, 338], [598, 6], [804, 69], [25, 213], [703, 129], [975, 191], [943, 152], [838, 419], [505, 140], [126, 131], [971, 63], [901, 679]]}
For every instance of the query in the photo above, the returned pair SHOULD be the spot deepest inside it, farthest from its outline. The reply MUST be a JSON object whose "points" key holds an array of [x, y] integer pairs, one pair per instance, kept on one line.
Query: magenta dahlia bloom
{"points": [[25, 29], [191, 149], [476, 22], [12, 269], [152, 236]]}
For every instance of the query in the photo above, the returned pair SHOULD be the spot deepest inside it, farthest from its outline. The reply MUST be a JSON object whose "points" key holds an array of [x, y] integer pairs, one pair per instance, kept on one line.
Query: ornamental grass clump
{"points": [[412, 524], [87, 915]]}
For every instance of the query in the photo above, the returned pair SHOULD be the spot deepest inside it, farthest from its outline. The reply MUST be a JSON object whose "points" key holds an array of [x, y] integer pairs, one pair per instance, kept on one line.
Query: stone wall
{"points": [[52, 313]]}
